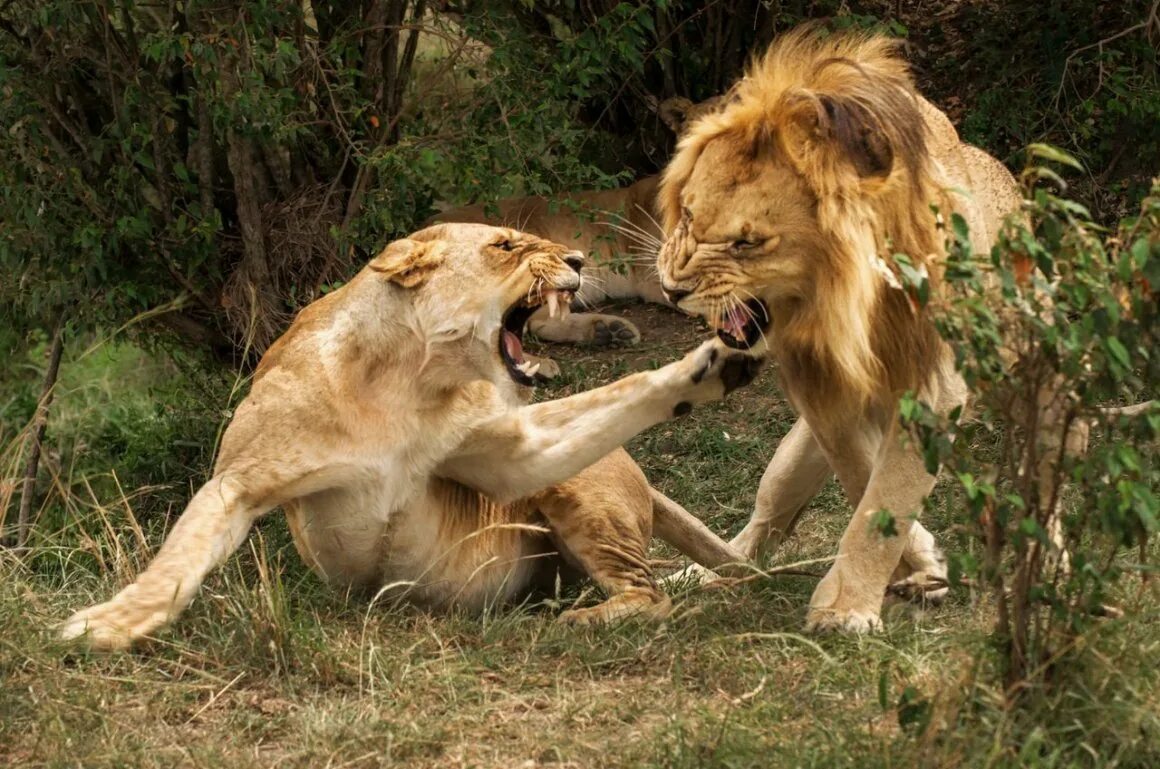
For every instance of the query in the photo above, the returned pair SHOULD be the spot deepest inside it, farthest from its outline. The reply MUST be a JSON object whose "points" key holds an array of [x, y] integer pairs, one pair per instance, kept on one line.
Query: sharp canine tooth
{"points": [[553, 304], [532, 371]]}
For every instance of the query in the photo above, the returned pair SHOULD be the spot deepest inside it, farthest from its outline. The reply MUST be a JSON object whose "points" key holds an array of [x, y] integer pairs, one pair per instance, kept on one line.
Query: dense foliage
{"points": [[206, 168]]}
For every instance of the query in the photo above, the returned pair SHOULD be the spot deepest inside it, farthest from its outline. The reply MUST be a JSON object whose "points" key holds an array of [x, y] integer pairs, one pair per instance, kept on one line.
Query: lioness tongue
{"points": [[512, 346]]}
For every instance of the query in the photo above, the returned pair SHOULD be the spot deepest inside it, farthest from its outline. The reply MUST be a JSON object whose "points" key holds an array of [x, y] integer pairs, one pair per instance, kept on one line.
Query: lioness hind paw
{"points": [[619, 608]]}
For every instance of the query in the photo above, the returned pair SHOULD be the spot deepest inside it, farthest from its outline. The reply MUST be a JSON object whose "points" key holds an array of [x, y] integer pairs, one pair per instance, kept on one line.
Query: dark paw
{"points": [[738, 371]]}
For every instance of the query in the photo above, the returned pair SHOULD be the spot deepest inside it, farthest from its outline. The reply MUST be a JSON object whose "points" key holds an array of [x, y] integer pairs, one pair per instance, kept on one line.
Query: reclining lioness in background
{"points": [[389, 423], [617, 229]]}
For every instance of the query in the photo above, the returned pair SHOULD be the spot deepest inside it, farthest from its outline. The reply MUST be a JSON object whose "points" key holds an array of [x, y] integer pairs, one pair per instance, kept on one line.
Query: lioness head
{"points": [[780, 206], [483, 283]]}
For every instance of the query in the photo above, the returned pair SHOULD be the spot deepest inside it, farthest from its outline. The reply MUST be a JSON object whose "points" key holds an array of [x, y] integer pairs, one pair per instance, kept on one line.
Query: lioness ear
{"points": [[407, 262], [673, 112], [847, 127]]}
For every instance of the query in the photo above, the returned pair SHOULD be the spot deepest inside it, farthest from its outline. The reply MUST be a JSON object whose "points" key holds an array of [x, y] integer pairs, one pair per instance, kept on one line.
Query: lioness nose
{"points": [[574, 259]]}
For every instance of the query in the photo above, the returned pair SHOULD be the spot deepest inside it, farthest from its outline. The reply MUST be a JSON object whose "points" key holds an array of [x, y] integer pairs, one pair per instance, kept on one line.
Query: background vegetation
{"points": [[177, 179]]}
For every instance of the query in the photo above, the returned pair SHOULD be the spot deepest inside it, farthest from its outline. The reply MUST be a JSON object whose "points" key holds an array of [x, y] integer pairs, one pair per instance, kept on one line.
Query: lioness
{"points": [[783, 211], [389, 423]]}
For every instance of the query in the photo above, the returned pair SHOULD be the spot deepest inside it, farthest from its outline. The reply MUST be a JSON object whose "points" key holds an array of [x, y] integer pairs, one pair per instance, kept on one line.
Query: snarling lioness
{"points": [[390, 423], [783, 212]]}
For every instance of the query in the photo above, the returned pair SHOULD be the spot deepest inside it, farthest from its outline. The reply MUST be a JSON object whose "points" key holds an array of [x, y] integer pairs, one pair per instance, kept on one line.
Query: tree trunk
{"points": [[39, 423]]}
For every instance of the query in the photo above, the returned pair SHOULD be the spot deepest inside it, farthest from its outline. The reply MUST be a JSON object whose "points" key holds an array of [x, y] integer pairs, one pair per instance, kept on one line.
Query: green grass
{"points": [[270, 668]]}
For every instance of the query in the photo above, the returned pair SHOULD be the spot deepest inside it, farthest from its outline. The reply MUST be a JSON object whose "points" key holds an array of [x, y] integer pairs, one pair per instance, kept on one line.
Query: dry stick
{"points": [[39, 423]]}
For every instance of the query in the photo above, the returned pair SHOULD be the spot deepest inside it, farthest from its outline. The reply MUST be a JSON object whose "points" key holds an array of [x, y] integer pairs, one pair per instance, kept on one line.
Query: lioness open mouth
{"points": [[744, 324], [511, 334]]}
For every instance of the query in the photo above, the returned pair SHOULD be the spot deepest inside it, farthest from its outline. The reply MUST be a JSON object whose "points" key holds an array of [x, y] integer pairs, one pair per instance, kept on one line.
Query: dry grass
{"points": [[269, 668]]}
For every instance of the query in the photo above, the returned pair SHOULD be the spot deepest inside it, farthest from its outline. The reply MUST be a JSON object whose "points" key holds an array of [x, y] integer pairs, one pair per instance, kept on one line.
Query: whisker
{"points": [[651, 218]]}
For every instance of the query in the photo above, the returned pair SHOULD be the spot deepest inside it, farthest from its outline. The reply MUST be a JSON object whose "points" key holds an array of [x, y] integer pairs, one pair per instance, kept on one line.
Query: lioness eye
{"points": [[741, 245], [504, 245]]}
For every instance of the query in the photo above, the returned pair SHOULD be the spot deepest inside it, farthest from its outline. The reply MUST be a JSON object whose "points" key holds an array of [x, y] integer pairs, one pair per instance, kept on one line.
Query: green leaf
{"points": [[1055, 154]]}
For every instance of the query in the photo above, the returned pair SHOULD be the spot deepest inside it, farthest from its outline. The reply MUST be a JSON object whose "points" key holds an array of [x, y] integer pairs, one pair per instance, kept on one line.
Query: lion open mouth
{"points": [[744, 324], [511, 334]]}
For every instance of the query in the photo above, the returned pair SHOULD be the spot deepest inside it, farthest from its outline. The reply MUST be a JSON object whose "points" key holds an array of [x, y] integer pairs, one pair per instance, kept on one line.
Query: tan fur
{"points": [[387, 425], [798, 193]]}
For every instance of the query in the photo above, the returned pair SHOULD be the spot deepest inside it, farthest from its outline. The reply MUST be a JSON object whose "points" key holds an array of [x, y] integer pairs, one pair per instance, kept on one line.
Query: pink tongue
{"points": [[512, 346]]}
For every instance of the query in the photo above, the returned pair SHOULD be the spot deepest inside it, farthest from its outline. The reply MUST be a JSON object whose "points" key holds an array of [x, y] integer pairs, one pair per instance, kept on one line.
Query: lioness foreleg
{"points": [[588, 328], [213, 526], [533, 447]]}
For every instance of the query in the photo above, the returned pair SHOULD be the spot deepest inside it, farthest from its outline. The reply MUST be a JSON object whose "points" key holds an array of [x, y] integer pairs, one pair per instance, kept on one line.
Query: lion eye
{"points": [[504, 245], [741, 245]]}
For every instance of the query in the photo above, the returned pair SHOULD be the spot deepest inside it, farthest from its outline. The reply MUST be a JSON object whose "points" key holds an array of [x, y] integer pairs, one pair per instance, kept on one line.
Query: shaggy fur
{"points": [[798, 194]]}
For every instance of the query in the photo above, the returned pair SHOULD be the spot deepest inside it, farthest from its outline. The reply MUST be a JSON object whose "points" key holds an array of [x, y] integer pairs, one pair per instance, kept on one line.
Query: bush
{"points": [[1057, 321]]}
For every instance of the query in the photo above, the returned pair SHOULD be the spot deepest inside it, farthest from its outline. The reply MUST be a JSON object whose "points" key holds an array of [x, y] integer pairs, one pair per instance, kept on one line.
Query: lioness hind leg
{"points": [[601, 521], [922, 570]]}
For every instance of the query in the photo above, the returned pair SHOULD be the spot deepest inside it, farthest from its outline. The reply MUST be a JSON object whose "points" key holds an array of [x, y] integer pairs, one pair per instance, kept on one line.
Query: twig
{"points": [[1153, 18], [39, 423]]}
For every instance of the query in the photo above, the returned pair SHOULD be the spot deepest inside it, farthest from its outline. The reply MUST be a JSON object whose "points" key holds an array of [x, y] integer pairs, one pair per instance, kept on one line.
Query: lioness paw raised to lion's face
{"points": [[711, 372]]}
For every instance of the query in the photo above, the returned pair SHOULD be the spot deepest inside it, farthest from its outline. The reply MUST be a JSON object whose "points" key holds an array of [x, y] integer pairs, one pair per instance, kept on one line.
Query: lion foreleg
{"points": [[795, 475], [850, 596]]}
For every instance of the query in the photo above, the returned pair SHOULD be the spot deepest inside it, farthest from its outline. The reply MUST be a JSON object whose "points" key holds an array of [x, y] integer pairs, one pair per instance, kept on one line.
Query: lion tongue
{"points": [[512, 346]]}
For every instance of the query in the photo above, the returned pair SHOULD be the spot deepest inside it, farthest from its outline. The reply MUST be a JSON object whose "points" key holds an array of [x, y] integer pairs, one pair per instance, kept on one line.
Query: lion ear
{"points": [[847, 127], [407, 262]]}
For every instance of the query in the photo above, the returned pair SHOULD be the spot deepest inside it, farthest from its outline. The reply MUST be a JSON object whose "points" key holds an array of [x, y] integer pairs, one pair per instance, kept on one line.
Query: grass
{"points": [[270, 668]]}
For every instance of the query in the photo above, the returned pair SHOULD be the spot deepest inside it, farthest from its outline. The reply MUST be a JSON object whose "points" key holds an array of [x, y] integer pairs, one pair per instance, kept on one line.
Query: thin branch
{"points": [[39, 424], [1146, 24]]}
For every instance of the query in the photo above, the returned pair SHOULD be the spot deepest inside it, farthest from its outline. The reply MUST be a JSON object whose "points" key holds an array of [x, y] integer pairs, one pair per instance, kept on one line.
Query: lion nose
{"points": [[574, 259], [674, 295]]}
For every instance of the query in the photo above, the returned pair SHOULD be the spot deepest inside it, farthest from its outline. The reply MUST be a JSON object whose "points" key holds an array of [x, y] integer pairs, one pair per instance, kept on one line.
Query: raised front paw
{"points": [[711, 372]]}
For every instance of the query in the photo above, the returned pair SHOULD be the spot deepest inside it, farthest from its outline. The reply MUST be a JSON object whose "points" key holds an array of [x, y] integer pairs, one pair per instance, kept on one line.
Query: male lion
{"points": [[389, 422], [783, 211]]}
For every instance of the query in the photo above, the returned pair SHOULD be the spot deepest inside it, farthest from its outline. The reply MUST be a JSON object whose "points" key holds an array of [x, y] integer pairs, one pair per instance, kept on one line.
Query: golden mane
{"points": [[843, 113]]}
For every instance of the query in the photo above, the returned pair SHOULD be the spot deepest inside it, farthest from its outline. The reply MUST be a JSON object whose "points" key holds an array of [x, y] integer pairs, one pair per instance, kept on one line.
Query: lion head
{"points": [[784, 207]]}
